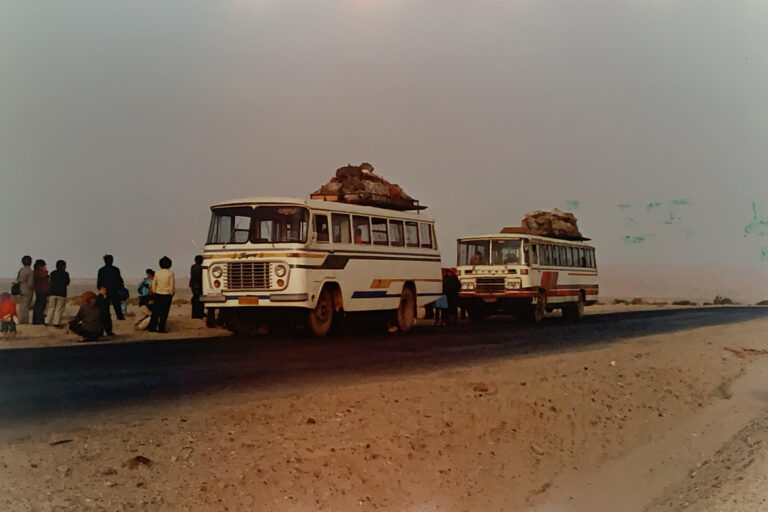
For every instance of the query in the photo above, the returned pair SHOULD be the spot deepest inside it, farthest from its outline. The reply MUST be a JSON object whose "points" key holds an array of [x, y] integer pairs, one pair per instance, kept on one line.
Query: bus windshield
{"points": [[490, 252], [260, 225]]}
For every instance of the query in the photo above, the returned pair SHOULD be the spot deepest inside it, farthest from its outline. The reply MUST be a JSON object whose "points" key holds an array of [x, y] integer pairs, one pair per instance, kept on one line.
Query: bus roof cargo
{"points": [[554, 223], [357, 184]]}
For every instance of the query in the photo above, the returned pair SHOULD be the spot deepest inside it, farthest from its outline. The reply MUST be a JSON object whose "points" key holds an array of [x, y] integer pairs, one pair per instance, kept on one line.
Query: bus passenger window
{"points": [[412, 234], [340, 225], [321, 228], [592, 258], [582, 258], [396, 233], [534, 254], [563, 257], [425, 233], [362, 229], [379, 230], [569, 256]]}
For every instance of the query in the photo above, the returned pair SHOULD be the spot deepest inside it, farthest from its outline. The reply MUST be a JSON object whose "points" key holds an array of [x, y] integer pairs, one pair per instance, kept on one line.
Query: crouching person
{"points": [[8, 318], [87, 322]]}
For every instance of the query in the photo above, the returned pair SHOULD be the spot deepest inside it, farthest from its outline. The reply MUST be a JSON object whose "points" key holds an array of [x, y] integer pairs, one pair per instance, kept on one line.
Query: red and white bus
{"points": [[526, 275]]}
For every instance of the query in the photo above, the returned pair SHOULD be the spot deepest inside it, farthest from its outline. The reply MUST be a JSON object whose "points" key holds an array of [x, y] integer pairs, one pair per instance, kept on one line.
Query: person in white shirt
{"points": [[163, 287]]}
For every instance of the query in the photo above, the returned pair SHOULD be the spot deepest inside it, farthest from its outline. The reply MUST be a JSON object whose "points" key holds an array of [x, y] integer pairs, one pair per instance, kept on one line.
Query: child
{"points": [[8, 316], [441, 310]]}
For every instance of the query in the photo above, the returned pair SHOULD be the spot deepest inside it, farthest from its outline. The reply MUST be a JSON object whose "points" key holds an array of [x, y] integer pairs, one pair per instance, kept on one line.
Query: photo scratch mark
{"points": [[634, 239], [572, 205], [758, 226], [652, 205]]}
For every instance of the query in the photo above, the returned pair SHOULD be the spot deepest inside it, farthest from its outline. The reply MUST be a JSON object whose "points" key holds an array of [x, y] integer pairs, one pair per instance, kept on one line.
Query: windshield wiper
{"points": [[237, 224]]}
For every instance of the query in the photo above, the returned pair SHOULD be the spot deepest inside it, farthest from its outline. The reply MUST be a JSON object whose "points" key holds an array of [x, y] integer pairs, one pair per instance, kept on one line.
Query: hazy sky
{"points": [[121, 122]]}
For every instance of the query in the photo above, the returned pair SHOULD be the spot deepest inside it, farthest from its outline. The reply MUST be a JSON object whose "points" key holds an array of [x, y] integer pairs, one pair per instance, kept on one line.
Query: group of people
{"points": [[36, 291]]}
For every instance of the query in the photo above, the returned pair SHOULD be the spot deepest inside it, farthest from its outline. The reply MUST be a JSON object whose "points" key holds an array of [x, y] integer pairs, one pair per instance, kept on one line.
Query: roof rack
{"points": [[523, 231]]}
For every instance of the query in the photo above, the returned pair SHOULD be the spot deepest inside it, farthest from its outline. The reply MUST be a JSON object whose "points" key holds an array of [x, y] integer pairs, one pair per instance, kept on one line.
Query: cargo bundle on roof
{"points": [[554, 223], [357, 184]]}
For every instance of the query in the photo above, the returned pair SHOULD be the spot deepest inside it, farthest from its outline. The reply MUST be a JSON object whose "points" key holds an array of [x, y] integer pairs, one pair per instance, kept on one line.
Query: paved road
{"points": [[38, 385]]}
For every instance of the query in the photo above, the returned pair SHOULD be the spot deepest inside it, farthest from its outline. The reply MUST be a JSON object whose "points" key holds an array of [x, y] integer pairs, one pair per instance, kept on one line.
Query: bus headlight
{"points": [[280, 270], [512, 284], [217, 271], [468, 284]]}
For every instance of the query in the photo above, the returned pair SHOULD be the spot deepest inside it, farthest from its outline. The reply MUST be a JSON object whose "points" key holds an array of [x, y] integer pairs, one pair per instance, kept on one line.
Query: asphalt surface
{"points": [[41, 384]]}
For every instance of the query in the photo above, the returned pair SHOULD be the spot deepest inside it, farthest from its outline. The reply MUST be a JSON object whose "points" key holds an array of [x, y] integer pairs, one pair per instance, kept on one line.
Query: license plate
{"points": [[490, 299], [251, 301], [214, 293]]}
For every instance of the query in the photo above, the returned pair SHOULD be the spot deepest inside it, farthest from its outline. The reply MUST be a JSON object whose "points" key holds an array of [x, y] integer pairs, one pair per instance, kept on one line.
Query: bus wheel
{"points": [[406, 311], [538, 309], [321, 317], [575, 312]]}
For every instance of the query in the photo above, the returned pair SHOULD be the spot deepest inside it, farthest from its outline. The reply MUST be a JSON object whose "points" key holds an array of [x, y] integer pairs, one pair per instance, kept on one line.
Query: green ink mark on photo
{"points": [[652, 205], [630, 240], [572, 204], [672, 218], [758, 226], [624, 206], [689, 234], [764, 255], [680, 202]]}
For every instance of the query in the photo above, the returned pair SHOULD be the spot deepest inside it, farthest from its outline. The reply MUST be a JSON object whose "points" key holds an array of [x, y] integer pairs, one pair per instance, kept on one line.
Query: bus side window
{"points": [[340, 225], [569, 256], [534, 254], [594, 261], [425, 234], [555, 255], [396, 233], [321, 228], [412, 234], [563, 257], [362, 229], [582, 257], [379, 230]]}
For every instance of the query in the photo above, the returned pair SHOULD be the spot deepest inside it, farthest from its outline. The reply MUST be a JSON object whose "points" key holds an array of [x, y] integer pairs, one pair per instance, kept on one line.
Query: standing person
{"points": [[163, 288], [109, 277], [8, 317], [102, 304], [26, 281], [144, 287], [87, 322], [196, 285], [451, 287], [42, 289], [58, 298]]}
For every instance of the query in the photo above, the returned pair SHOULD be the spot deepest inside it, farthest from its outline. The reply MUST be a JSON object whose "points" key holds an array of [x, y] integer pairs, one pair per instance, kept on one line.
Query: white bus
{"points": [[269, 255], [526, 275]]}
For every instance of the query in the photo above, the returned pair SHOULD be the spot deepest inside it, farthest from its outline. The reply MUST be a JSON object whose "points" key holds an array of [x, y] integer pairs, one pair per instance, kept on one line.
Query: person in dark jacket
{"points": [[451, 287], [42, 289], [196, 285], [58, 297], [109, 277], [102, 303], [87, 321]]}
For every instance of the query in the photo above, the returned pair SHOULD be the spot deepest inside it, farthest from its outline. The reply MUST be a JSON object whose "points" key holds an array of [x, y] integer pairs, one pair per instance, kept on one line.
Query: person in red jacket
{"points": [[8, 316], [42, 290]]}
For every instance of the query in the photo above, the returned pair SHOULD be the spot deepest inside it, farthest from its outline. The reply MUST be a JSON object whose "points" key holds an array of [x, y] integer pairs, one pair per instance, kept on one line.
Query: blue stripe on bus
{"points": [[235, 297]]}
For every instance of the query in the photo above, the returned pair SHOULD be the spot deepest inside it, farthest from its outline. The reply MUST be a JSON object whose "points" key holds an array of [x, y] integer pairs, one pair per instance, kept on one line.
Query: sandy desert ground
{"points": [[519, 433]]}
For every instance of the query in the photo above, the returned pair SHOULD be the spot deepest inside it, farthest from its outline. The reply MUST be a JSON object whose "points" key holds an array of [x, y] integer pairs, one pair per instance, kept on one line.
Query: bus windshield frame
{"points": [[490, 251], [261, 224]]}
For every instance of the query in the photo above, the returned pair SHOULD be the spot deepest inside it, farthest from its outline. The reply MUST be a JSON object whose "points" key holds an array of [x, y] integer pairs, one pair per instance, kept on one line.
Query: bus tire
{"points": [[575, 312], [320, 318], [406, 310], [538, 310]]}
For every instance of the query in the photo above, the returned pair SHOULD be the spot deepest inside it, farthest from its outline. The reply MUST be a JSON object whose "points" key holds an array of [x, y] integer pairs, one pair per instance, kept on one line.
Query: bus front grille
{"points": [[490, 285], [248, 275]]}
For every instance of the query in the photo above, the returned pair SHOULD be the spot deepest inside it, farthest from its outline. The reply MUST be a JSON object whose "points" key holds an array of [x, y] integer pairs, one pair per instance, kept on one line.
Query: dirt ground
{"points": [[500, 436]]}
